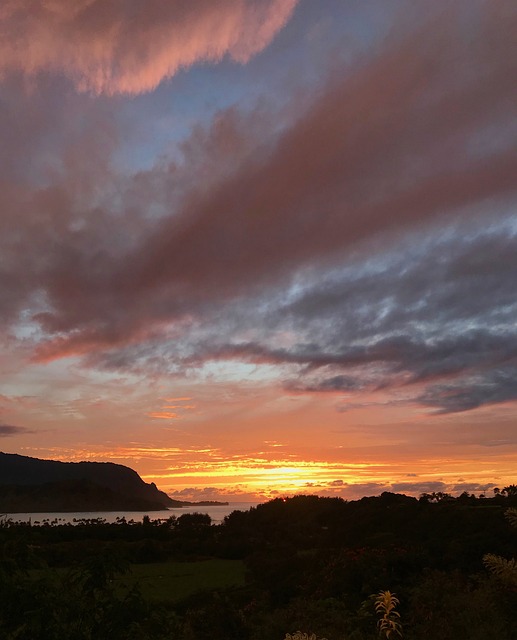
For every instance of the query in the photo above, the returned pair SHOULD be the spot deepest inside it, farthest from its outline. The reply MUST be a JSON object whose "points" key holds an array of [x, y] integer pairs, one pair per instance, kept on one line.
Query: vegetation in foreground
{"points": [[308, 568]]}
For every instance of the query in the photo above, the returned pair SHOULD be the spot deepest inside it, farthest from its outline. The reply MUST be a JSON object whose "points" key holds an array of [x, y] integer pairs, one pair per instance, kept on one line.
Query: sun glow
{"points": [[263, 476], [214, 473]]}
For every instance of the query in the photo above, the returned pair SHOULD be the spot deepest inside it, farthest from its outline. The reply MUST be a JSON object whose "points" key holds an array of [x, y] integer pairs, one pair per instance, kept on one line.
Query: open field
{"points": [[171, 581]]}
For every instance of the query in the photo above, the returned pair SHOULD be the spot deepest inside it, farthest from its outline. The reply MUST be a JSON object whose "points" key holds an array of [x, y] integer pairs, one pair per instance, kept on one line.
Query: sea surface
{"points": [[216, 512]]}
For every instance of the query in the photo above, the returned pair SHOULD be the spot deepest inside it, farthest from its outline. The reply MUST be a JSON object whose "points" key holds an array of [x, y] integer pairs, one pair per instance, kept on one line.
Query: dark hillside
{"points": [[69, 496], [16, 470]]}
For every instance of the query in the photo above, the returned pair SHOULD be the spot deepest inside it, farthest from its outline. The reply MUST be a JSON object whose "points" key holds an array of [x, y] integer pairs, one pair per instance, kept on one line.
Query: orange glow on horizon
{"points": [[196, 471]]}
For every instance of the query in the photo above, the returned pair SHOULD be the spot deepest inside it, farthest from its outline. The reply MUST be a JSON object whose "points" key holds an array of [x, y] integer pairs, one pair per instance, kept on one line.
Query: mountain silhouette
{"points": [[31, 484]]}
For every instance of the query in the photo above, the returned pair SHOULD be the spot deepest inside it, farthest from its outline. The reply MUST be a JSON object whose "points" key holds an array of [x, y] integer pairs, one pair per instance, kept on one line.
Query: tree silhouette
{"points": [[505, 570]]}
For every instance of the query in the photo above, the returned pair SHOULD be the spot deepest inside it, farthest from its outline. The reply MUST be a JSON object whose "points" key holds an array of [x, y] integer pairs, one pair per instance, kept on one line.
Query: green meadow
{"points": [[173, 581]]}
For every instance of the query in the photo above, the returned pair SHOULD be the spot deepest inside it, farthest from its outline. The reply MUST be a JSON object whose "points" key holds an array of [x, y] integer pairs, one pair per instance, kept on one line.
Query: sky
{"points": [[258, 248]]}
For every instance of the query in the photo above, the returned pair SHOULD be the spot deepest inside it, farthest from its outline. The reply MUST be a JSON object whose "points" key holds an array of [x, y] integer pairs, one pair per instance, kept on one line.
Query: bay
{"points": [[216, 511]]}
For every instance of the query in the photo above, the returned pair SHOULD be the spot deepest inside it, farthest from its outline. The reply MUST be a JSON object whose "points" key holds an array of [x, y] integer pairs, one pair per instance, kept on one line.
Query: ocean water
{"points": [[216, 512]]}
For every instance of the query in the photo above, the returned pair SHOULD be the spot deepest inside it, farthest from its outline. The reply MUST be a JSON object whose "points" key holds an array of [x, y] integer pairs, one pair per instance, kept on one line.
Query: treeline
{"points": [[312, 564]]}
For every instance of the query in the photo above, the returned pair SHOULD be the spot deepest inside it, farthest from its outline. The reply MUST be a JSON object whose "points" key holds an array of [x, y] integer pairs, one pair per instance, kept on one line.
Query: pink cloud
{"points": [[118, 46], [401, 140], [384, 147]]}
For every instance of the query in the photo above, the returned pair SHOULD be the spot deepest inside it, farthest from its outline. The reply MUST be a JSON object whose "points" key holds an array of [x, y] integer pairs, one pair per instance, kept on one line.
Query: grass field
{"points": [[166, 581]]}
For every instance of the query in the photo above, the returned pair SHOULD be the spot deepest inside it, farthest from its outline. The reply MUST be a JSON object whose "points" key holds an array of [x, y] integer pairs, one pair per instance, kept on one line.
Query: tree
{"points": [[505, 570], [435, 496], [193, 521]]}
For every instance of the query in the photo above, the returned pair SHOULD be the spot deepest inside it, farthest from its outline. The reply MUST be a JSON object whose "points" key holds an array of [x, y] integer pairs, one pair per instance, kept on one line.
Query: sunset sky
{"points": [[261, 247]]}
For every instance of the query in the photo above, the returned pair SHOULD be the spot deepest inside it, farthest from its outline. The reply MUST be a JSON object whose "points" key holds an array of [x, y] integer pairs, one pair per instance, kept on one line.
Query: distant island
{"points": [[202, 503], [34, 485]]}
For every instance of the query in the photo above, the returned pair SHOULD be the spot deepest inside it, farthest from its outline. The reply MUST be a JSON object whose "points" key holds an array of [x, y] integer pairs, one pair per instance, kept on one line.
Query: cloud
{"points": [[8, 430], [442, 315], [460, 487], [239, 494], [118, 46], [423, 320], [490, 387], [361, 241], [332, 179], [335, 177], [416, 488], [339, 383], [354, 491]]}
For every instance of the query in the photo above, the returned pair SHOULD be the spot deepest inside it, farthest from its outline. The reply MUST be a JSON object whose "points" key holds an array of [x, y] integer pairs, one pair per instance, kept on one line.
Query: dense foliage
{"points": [[319, 567]]}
